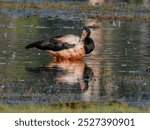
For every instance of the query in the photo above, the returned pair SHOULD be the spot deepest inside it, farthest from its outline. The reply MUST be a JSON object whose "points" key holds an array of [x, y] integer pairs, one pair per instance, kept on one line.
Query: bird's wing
{"points": [[56, 43]]}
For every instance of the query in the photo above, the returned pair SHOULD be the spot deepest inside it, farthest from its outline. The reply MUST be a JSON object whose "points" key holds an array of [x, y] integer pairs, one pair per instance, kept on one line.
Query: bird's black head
{"points": [[85, 32], [86, 40]]}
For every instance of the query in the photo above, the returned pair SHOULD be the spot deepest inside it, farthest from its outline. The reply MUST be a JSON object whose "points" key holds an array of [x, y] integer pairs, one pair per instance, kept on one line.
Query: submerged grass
{"points": [[82, 107]]}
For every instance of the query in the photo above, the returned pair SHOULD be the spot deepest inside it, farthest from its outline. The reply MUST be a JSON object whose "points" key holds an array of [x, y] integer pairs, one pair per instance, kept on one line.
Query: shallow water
{"points": [[118, 68]]}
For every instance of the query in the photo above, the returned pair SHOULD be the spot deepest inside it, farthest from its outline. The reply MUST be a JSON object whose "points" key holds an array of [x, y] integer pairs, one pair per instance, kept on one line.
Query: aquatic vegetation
{"points": [[42, 5], [62, 5], [72, 107], [130, 13]]}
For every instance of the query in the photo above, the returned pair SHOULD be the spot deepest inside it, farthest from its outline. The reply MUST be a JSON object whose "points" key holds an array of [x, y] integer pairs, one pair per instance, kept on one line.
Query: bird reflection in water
{"points": [[72, 73]]}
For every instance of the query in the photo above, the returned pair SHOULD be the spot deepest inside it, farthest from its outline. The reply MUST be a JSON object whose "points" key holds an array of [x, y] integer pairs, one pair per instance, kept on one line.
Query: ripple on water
{"points": [[114, 70]]}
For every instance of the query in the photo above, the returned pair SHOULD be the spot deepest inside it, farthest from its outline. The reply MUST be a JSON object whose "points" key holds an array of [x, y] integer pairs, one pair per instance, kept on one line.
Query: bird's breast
{"points": [[74, 53]]}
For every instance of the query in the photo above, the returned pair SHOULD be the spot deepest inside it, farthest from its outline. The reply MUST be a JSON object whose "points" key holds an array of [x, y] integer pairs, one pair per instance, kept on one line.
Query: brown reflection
{"points": [[72, 72], [75, 73]]}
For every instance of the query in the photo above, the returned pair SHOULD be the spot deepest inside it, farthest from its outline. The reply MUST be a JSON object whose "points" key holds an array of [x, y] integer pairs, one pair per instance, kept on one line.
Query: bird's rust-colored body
{"points": [[75, 53]]}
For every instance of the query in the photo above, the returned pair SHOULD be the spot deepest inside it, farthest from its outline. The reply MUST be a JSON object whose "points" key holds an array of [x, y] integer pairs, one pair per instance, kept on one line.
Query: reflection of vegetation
{"points": [[72, 107]]}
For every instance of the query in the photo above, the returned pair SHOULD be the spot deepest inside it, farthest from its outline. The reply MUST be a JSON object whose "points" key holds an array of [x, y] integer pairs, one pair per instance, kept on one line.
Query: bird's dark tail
{"points": [[34, 44]]}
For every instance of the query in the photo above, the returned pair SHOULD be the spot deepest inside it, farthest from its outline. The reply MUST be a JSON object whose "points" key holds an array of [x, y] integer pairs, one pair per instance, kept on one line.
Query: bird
{"points": [[67, 47]]}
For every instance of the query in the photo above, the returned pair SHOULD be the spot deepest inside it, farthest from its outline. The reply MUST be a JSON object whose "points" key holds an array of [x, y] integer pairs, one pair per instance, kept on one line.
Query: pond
{"points": [[118, 69]]}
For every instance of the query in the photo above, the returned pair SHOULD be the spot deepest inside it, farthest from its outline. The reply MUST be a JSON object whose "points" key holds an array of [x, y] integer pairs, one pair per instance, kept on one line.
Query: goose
{"points": [[67, 47]]}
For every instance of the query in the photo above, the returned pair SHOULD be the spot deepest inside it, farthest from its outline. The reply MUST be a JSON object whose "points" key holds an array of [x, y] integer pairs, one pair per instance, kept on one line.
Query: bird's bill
{"points": [[83, 36]]}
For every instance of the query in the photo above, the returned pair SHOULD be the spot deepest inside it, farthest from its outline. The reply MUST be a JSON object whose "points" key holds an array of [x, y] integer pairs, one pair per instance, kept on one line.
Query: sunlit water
{"points": [[118, 69]]}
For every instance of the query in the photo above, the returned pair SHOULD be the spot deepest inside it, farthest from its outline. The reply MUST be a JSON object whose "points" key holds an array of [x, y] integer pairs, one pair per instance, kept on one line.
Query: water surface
{"points": [[118, 68]]}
